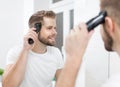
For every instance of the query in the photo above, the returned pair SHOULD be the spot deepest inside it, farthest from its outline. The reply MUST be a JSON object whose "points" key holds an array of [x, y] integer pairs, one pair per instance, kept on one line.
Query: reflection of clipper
{"points": [[91, 24], [38, 27]]}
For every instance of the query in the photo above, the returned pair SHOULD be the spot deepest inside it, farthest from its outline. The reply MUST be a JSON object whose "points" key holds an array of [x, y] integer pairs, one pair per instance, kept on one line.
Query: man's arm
{"points": [[14, 73], [68, 75], [75, 46], [58, 72]]}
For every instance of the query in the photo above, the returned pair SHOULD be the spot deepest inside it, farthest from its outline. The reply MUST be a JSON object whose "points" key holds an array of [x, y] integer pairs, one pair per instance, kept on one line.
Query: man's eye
{"points": [[49, 28], [55, 28]]}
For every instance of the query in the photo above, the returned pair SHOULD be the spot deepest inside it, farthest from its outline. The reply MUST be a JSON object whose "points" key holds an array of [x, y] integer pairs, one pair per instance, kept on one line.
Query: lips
{"points": [[52, 37]]}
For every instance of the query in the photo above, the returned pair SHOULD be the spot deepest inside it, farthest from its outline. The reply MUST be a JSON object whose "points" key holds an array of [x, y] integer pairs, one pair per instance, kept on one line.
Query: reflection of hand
{"points": [[31, 34], [77, 40]]}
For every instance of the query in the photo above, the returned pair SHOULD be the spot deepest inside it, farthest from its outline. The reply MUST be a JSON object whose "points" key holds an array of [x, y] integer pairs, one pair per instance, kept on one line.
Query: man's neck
{"points": [[39, 48]]}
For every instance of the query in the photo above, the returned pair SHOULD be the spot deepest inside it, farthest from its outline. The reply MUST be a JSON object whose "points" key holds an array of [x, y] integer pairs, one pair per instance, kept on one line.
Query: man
{"points": [[35, 65], [77, 41]]}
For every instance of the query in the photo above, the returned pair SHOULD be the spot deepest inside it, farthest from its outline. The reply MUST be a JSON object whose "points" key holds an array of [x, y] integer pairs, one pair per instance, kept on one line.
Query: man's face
{"points": [[48, 32], [108, 41]]}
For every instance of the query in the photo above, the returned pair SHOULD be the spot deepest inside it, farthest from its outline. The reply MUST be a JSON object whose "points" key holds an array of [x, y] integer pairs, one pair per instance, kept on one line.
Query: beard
{"points": [[46, 41], [108, 42]]}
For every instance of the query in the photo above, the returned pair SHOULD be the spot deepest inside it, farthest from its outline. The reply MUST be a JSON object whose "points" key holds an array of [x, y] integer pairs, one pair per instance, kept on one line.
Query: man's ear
{"points": [[109, 25]]}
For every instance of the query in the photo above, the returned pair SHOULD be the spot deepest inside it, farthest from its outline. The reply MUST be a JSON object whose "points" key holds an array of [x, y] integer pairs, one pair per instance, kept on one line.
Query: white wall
{"points": [[11, 26], [41, 5], [28, 11]]}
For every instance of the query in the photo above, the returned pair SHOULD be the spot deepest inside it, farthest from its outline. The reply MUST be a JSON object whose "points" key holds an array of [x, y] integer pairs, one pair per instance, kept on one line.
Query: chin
{"points": [[51, 44]]}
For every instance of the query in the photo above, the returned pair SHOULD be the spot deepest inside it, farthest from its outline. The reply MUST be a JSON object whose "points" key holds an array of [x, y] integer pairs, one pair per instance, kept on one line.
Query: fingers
{"points": [[80, 33], [77, 41], [31, 34], [82, 27]]}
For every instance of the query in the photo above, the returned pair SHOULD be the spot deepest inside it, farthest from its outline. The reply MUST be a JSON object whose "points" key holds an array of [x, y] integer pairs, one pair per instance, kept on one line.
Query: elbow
{"points": [[4, 82], [7, 83]]}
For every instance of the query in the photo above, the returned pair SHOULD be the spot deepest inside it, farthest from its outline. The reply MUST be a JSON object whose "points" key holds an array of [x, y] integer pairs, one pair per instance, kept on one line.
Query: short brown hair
{"points": [[38, 17], [113, 9]]}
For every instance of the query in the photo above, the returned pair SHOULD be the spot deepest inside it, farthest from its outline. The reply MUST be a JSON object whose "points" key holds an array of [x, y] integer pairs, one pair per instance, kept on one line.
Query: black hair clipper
{"points": [[99, 19], [38, 27]]}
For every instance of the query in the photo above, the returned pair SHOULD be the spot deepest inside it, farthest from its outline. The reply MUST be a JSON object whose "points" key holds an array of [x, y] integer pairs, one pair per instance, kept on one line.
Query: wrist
{"points": [[74, 61], [25, 50]]}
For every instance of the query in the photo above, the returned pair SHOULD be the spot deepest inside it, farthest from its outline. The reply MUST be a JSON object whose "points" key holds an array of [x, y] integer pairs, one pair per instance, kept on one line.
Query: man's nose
{"points": [[54, 31]]}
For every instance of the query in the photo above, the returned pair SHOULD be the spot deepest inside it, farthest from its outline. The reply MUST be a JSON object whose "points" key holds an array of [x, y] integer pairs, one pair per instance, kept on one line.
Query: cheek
{"points": [[44, 34], [42, 31]]}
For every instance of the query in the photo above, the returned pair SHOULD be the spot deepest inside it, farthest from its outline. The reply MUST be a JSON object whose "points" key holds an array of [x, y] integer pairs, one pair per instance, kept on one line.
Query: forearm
{"points": [[75, 46], [15, 74], [69, 73]]}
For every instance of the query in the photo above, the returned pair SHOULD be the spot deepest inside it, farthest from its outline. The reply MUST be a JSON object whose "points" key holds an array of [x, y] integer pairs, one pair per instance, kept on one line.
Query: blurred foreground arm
{"points": [[75, 46]]}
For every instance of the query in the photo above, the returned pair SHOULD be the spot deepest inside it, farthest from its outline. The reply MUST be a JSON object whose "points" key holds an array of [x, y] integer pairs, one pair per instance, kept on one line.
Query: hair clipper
{"points": [[38, 27], [99, 19]]}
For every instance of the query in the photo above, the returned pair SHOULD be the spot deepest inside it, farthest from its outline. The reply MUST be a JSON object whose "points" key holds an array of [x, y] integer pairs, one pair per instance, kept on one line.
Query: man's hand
{"points": [[76, 42], [31, 34]]}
